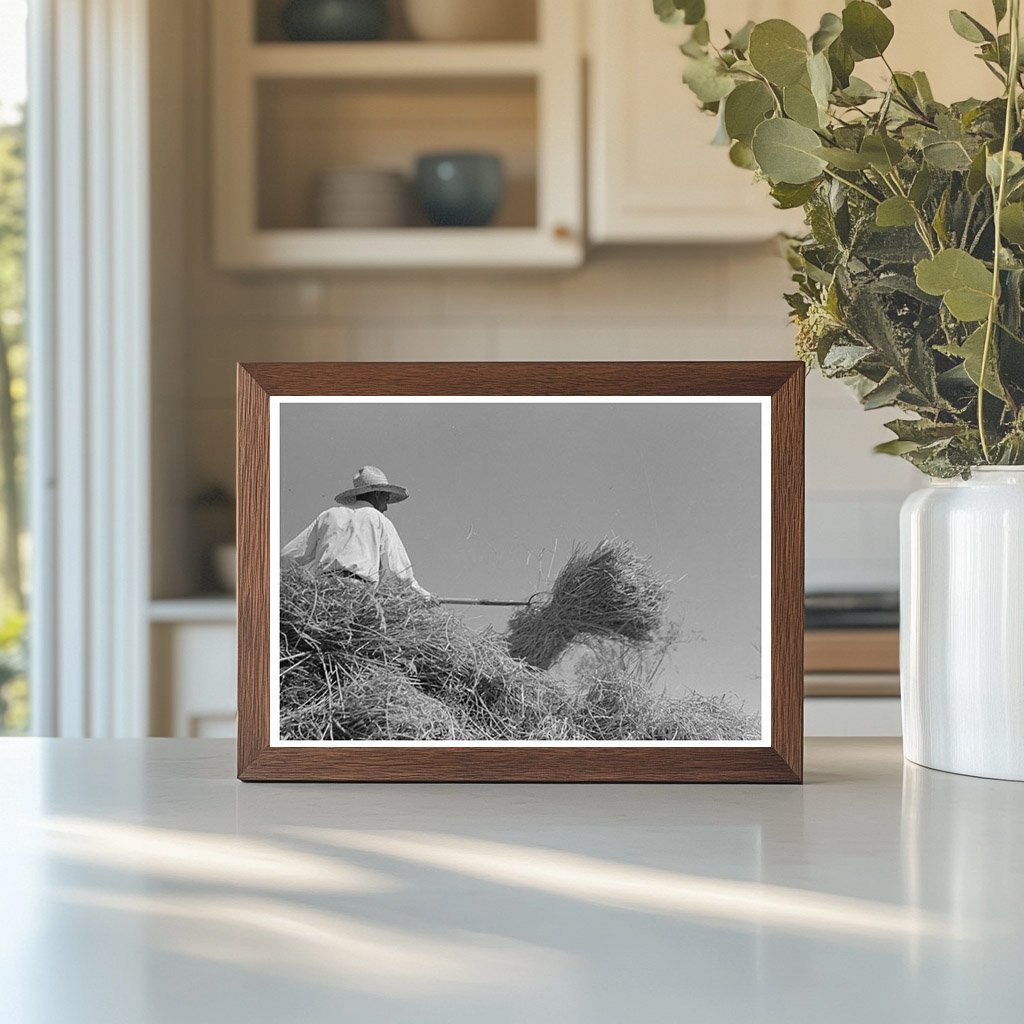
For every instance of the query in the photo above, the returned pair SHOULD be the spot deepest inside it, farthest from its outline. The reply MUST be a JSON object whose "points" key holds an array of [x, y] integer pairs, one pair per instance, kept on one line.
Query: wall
{"points": [[653, 303]]}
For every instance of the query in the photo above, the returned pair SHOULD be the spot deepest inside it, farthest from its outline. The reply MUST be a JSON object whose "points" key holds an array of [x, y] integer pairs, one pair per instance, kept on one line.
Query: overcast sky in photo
{"points": [[500, 493]]}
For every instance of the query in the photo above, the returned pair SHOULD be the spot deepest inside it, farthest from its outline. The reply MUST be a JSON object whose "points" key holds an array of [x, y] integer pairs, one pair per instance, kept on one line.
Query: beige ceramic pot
{"points": [[470, 20]]}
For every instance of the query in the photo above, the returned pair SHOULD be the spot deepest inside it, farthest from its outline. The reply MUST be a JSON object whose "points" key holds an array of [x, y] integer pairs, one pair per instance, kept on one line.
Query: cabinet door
{"points": [[193, 669], [653, 175]]}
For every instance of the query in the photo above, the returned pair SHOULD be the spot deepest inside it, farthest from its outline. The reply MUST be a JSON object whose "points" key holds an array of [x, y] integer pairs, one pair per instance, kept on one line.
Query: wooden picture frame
{"points": [[779, 758]]}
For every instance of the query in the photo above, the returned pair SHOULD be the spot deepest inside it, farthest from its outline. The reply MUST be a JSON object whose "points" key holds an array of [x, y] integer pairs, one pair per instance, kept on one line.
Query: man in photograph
{"points": [[355, 536]]}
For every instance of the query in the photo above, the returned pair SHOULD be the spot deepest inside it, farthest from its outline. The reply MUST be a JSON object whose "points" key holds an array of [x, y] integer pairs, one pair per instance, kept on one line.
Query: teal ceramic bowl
{"points": [[334, 21], [461, 190]]}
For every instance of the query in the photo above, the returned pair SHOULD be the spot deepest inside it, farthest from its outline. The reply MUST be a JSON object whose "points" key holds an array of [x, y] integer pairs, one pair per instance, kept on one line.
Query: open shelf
{"points": [[286, 114], [308, 127]]}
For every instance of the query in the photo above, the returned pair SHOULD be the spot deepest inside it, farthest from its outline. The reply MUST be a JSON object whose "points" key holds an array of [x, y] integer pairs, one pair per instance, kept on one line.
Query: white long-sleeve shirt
{"points": [[356, 537]]}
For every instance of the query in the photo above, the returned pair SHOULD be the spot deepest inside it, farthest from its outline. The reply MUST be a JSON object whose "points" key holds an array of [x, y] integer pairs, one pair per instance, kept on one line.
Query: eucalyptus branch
{"points": [[853, 185], [907, 99], [771, 89], [1000, 198], [892, 290], [923, 227]]}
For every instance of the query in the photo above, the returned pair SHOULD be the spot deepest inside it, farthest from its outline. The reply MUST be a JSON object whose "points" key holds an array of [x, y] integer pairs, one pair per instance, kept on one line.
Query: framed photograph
{"points": [[518, 572]]}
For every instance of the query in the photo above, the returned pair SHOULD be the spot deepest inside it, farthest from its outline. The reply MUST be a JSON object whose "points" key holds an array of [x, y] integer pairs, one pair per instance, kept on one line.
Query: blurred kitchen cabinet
{"points": [[192, 651], [286, 113], [653, 175]]}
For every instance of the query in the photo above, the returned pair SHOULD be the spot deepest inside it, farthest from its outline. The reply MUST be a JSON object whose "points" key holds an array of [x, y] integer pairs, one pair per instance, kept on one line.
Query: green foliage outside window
{"points": [[13, 412]]}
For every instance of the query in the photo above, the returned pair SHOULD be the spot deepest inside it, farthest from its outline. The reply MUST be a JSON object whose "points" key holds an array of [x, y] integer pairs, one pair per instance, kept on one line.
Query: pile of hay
{"points": [[380, 663], [610, 592], [362, 662], [621, 706]]}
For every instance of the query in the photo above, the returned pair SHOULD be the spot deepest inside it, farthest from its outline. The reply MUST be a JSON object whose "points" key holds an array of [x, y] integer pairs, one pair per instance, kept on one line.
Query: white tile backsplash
{"points": [[509, 297], [246, 297], [405, 341], [572, 340], [377, 296], [646, 285]]}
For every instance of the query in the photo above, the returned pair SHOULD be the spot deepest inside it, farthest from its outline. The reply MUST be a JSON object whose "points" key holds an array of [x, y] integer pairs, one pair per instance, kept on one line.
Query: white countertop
{"points": [[143, 885]]}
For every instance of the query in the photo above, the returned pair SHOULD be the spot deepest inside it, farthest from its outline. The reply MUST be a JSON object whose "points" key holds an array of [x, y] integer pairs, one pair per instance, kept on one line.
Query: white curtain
{"points": [[88, 318]]}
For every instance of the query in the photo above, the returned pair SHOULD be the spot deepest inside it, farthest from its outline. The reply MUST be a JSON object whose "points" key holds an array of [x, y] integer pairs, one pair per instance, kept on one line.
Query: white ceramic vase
{"points": [[962, 624]]}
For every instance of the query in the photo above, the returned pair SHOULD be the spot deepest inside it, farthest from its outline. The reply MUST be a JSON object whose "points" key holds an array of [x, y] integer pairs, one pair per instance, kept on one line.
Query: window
{"points": [[14, 550]]}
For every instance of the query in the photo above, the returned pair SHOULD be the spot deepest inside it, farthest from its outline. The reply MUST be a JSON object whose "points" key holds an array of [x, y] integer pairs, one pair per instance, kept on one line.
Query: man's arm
{"points": [[394, 559]]}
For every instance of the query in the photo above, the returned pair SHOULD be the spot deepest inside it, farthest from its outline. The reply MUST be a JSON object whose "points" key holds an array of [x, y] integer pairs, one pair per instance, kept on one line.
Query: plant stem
{"points": [[922, 225], [768, 85], [908, 101], [993, 309], [855, 187]]}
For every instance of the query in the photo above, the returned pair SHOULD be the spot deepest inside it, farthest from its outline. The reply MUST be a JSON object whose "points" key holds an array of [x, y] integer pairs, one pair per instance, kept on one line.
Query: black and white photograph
{"points": [[562, 571]]}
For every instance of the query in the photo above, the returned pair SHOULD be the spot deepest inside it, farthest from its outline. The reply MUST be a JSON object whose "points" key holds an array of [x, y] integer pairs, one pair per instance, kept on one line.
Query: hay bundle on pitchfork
{"points": [[609, 593]]}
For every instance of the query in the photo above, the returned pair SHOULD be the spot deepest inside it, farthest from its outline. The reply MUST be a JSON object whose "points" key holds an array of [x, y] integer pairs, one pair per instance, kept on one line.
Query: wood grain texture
{"points": [[783, 382], [253, 531], [852, 650], [787, 495]]}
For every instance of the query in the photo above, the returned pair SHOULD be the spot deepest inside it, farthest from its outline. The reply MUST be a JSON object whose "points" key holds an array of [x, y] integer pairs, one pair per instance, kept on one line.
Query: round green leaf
{"points": [[740, 39], [866, 29], [785, 152], [968, 28], [946, 155], [1014, 169], [742, 156], [747, 106], [778, 50], [841, 62], [1012, 223], [963, 281], [789, 197], [829, 30], [844, 159], [895, 447], [976, 172], [708, 81], [858, 91], [820, 77], [882, 152], [972, 352], [800, 105], [895, 212], [674, 12]]}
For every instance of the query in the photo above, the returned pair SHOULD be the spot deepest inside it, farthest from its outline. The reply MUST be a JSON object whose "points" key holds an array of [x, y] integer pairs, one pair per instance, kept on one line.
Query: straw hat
{"points": [[370, 479]]}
